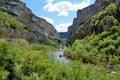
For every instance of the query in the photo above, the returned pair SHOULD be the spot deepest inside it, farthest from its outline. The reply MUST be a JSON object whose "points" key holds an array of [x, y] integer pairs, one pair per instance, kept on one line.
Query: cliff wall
{"points": [[34, 27], [83, 24]]}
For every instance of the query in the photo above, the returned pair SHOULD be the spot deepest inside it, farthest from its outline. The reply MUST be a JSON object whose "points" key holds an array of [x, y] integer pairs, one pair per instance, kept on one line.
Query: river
{"points": [[58, 56]]}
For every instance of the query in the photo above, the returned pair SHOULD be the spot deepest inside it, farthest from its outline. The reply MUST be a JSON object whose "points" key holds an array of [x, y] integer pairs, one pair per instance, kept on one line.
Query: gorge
{"points": [[31, 49]]}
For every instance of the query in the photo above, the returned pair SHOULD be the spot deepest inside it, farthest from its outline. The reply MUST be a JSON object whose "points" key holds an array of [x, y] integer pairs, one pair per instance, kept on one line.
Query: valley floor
{"points": [[23, 61]]}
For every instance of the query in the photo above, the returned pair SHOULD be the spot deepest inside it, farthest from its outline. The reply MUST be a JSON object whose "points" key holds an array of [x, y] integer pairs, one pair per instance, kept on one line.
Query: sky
{"points": [[60, 13]]}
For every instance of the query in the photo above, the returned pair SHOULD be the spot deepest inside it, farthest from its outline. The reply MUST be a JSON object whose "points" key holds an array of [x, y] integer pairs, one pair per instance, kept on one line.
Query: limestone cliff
{"points": [[34, 27], [83, 24]]}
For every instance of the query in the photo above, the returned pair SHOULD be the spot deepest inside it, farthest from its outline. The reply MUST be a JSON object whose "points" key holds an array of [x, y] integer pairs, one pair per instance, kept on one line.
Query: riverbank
{"points": [[23, 61]]}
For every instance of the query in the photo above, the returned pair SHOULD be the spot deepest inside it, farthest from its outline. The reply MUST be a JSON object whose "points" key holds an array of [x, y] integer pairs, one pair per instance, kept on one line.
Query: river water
{"points": [[58, 56]]}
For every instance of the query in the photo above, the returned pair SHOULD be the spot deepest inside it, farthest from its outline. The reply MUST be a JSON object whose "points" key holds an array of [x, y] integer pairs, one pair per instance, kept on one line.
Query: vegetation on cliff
{"points": [[101, 48], [8, 21], [17, 21], [97, 40], [2, 2], [98, 23]]}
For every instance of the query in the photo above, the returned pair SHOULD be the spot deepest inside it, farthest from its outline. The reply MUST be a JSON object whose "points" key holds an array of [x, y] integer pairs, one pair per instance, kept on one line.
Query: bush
{"points": [[8, 21], [92, 48], [23, 61]]}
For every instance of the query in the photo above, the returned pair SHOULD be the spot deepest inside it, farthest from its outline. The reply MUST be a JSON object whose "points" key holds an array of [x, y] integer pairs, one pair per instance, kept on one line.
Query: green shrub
{"points": [[2, 2], [3, 74], [23, 61], [8, 21], [92, 48]]}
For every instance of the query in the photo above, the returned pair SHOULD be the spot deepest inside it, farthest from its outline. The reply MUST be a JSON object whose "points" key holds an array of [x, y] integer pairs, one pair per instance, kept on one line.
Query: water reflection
{"points": [[58, 56]]}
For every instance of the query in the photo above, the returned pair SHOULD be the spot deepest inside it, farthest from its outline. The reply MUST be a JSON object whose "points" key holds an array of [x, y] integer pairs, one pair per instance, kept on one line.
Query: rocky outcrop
{"points": [[35, 27], [85, 14], [83, 24], [13, 35]]}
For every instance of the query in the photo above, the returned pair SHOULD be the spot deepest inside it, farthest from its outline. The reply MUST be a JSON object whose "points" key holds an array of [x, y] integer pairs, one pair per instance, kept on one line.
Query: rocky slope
{"points": [[35, 28], [86, 22]]}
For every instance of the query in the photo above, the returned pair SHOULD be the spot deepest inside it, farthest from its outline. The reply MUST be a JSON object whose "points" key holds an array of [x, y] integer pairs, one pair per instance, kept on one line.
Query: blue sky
{"points": [[59, 13]]}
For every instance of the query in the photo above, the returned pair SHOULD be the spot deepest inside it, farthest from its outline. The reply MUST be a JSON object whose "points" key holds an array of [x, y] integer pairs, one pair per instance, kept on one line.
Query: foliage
{"points": [[102, 42], [109, 10], [98, 23], [3, 74], [2, 2], [7, 21], [10, 22], [3, 9], [23, 61], [51, 42], [104, 17], [97, 48]]}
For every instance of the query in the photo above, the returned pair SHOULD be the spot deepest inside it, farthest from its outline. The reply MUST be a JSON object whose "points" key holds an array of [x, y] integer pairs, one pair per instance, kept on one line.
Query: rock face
{"points": [[83, 19], [38, 26]]}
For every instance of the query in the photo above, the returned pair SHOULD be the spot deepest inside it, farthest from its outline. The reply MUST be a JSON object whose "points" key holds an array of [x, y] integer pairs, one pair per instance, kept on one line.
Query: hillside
{"points": [[97, 40], [18, 21], [95, 18]]}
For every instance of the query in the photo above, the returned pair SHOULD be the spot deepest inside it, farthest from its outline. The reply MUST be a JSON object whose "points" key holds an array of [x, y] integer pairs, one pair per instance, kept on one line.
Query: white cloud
{"points": [[88, 1], [48, 1], [49, 20], [63, 7], [63, 27], [63, 13]]}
